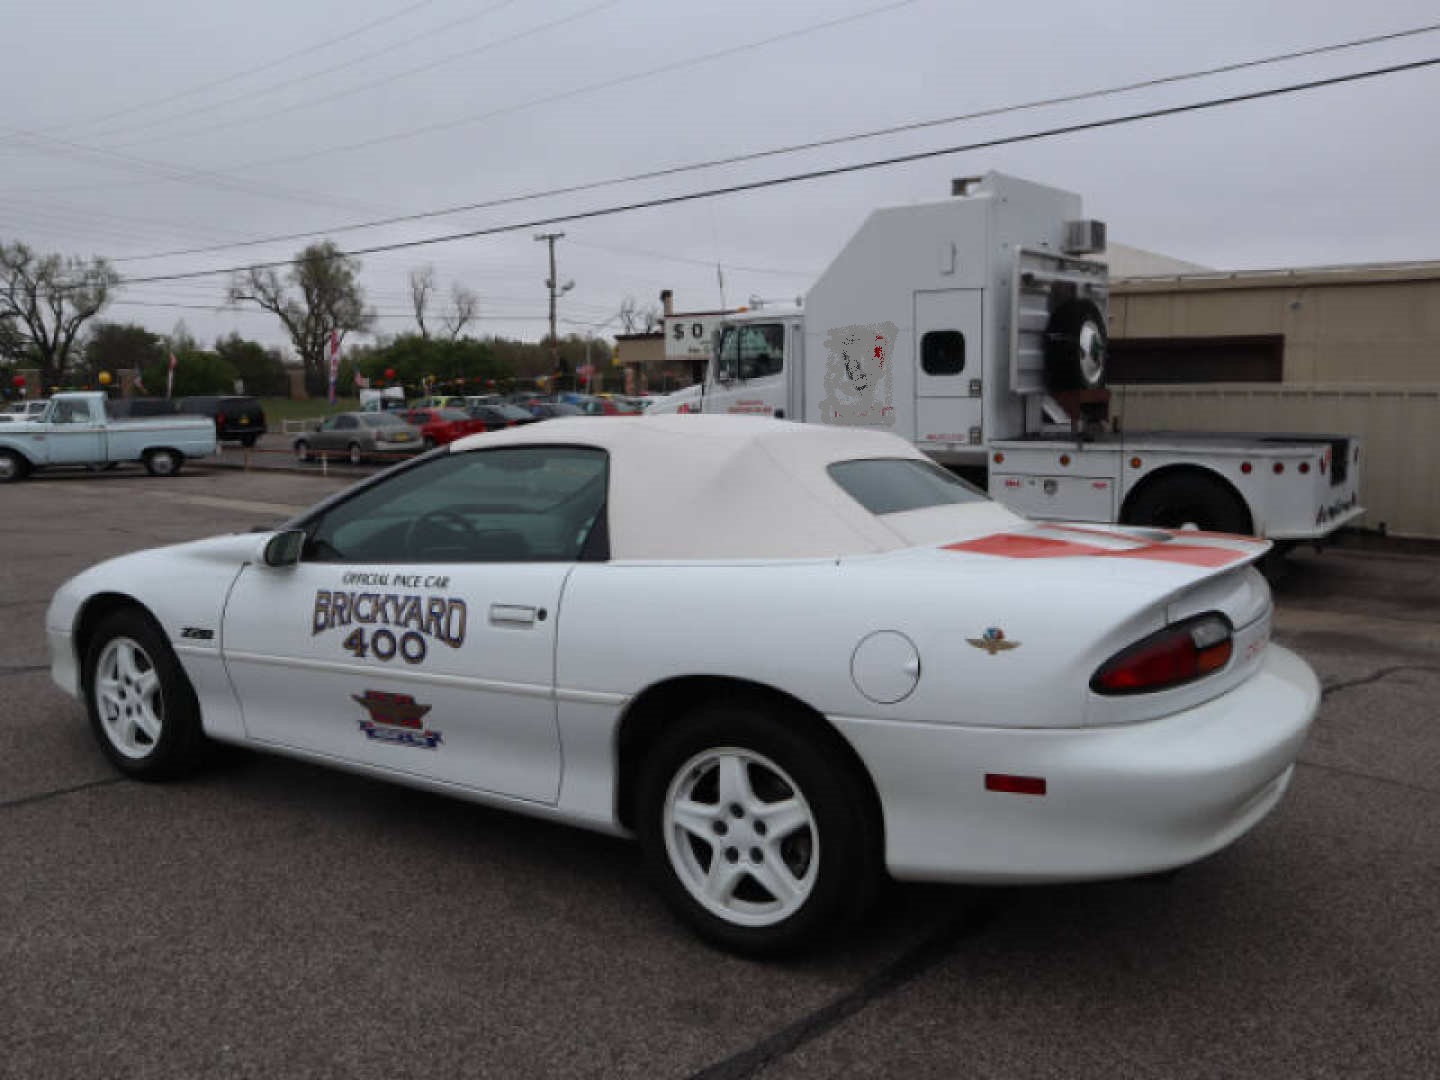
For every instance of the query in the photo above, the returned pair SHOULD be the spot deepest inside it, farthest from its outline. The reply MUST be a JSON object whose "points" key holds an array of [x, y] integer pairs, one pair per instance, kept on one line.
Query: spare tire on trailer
{"points": [[1077, 348]]}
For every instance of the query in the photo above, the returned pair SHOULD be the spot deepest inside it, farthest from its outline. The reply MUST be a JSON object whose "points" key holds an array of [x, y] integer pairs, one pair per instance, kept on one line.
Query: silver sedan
{"points": [[359, 435]]}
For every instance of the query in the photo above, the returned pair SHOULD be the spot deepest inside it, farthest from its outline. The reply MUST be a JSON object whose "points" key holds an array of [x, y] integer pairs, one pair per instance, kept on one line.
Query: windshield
{"points": [[894, 485], [751, 350]]}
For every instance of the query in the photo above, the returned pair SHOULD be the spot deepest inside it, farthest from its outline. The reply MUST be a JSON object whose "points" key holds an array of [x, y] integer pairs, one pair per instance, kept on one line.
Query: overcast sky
{"points": [[129, 130]]}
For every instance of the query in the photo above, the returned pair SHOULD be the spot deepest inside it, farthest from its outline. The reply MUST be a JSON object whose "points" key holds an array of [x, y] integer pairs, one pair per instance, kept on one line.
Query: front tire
{"points": [[13, 467], [142, 707], [302, 451], [356, 457], [162, 462], [756, 832]]}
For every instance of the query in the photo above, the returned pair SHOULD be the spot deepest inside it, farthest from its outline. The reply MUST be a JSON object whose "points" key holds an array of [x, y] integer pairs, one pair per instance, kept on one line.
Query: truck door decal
{"points": [[859, 378]]}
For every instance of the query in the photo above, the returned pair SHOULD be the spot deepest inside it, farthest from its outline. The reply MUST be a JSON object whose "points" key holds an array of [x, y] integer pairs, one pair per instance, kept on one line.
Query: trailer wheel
{"points": [[1077, 348], [1191, 499]]}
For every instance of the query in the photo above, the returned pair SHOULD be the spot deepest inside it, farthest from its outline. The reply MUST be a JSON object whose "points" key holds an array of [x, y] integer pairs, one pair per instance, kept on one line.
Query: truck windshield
{"points": [[751, 351]]}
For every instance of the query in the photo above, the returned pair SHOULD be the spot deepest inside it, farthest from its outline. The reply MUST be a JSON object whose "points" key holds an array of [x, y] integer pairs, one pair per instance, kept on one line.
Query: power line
{"points": [[838, 170], [735, 159], [335, 95], [604, 84], [268, 65]]}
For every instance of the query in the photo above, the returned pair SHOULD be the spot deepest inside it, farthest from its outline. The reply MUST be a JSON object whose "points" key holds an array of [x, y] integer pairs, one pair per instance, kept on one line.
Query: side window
{"points": [[752, 350], [517, 504], [345, 423], [942, 352], [331, 422]]}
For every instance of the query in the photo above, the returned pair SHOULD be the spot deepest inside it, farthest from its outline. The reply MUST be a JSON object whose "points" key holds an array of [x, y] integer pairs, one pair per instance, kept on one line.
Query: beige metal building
{"points": [[1353, 349]]}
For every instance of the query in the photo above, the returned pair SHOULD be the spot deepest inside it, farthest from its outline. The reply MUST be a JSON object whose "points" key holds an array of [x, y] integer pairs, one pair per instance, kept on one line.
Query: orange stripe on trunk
{"points": [[1021, 546]]}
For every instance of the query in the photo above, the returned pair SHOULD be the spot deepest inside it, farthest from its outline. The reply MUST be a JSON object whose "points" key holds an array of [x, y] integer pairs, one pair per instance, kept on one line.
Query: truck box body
{"points": [[975, 328]]}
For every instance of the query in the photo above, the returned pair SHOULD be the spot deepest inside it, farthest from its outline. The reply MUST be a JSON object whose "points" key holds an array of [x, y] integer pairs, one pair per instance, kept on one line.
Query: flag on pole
{"points": [[170, 375], [334, 362], [139, 383]]}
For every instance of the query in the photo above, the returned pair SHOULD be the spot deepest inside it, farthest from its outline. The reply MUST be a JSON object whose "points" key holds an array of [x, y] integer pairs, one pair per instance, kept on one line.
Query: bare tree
{"points": [[464, 309], [637, 320], [422, 285], [330, 300], [45, 300]]}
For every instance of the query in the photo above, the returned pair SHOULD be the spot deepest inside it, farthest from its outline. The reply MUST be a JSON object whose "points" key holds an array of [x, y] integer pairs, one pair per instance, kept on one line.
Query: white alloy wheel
{"points": [[741, 837], [302, 450], [356, 457], [128, 698]]}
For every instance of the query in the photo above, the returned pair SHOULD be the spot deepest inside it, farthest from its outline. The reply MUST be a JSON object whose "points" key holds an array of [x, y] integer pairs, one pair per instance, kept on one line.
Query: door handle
{"points": [[512, 615]]}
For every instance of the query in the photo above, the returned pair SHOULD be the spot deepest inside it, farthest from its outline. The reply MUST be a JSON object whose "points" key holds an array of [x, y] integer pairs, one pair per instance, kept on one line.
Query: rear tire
{"points": [[142, 707], [163, 462], [248, 441], [356, 457], [756, 832], [1173, 502], [302, 451]]}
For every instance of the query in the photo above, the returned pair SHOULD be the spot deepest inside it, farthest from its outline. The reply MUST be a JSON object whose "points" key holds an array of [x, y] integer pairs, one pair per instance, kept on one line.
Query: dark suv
{"points": [[236, 418], [137, 407]]}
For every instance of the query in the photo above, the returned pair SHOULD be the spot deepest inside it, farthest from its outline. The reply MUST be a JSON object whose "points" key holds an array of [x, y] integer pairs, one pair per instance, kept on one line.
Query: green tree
{"points": [[115, 346], [320, 296], [261, 369], [45, 302]]}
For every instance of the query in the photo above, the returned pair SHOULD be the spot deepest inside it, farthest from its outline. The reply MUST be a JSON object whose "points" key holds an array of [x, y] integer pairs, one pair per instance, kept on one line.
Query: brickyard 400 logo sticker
{"points": [[389, 624]]}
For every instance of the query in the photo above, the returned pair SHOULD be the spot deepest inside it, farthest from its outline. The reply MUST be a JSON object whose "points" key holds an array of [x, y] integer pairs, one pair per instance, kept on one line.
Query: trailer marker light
{"points": [[1015, 785], [1304, 466], [1135, 463], [1064, 459], [1246, 467], [1279, 467]]}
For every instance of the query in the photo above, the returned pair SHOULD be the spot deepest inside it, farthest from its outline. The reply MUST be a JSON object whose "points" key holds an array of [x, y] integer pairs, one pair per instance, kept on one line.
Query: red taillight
{"points": [[1178, 654], [219, 420]]}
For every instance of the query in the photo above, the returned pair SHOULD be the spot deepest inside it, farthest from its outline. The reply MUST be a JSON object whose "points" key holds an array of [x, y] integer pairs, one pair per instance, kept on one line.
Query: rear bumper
{"points": [[1120, 801]]}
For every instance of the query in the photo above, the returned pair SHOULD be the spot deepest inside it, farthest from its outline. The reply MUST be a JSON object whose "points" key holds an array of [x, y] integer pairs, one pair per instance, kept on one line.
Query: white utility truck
{"points": [[976, 328], [77, 429]]}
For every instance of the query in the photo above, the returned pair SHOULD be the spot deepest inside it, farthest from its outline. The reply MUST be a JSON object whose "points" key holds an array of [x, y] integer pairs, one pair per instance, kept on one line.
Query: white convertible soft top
{"points": [[742, 487]]}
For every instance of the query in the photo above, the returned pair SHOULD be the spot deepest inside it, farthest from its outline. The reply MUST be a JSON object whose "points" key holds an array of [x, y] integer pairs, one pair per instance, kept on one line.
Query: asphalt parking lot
{"points": [[269, 918]]}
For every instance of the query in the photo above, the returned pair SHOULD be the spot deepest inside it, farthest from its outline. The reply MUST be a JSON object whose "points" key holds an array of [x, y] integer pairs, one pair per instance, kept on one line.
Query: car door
{"points": [[77, 434], [417, 632]]}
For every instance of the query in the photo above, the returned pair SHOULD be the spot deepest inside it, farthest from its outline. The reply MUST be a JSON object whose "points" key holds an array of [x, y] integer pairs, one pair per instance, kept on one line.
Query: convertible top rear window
{"points": [[894, 485]]}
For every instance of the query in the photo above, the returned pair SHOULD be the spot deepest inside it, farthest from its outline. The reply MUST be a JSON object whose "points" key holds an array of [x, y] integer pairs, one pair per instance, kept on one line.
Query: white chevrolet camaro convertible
{"points": [[789, 659]]}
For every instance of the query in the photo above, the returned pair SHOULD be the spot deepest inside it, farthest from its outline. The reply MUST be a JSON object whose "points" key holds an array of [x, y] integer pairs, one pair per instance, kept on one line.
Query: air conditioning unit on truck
{"points": [[976, 328]]}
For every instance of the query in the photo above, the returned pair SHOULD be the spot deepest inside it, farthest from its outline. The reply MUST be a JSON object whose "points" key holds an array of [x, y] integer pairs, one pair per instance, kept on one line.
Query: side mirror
{"points": [[283, 549]]}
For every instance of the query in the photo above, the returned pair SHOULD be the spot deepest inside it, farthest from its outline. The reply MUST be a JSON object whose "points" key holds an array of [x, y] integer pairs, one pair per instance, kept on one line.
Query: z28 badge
{"points": [[396, 718]]}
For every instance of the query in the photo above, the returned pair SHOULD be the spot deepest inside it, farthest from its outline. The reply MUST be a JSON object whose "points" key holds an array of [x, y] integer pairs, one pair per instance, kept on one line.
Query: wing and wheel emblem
{"points": [[993, 641]]}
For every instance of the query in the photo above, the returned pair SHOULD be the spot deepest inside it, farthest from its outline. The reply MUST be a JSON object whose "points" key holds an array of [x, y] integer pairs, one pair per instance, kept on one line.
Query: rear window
{"points": [[379, 420], [894, 485], [453, 415]]}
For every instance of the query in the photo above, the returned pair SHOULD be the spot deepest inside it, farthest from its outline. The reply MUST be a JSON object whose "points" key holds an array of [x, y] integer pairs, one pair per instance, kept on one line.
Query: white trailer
{"points": [[976, 328]]}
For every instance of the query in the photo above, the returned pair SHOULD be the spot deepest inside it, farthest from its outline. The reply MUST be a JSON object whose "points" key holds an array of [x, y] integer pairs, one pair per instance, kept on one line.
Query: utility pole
{"points": [[556, 290]]}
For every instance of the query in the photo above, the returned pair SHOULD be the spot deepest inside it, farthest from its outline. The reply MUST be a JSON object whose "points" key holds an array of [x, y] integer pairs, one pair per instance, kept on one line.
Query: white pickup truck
{"points": [[77, 429]]}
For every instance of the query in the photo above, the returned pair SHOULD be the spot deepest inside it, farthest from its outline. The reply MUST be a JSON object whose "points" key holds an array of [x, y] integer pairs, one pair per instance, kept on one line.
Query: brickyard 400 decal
{"points": [[389, 624]]}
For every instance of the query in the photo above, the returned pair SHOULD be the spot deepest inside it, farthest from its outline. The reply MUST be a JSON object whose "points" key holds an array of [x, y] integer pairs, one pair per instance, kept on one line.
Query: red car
{"points": [[440, 426]]}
